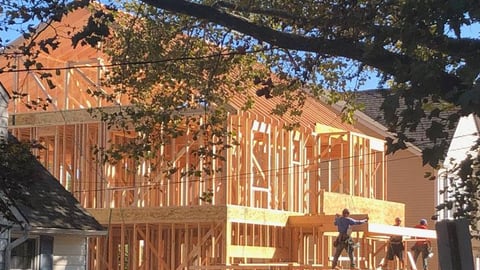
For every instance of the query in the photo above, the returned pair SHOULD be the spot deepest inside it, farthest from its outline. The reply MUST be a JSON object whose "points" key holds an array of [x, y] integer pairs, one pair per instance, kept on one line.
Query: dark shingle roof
{"points": [[373, 100], [51, 207]]}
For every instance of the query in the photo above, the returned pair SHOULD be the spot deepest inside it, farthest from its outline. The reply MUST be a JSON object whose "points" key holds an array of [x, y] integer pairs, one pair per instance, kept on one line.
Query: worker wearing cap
{"points": [[344, 241], [395, 248], [422, 245]]}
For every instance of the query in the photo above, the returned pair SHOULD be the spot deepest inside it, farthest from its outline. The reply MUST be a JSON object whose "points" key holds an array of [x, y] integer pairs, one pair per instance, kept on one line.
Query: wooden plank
{"points": [[174, 246], [335, 202], [258, 216], [51, 118], [227, 242], [380, 229], [122, 246], [148, 246], [413, 265], [324, 223], [258, 252], [164, 215], [193, 214], [71, 116], [135, 258]]}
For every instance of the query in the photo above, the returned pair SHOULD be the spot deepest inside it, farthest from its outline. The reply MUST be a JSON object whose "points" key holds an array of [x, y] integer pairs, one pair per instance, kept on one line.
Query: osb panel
{"points": [[259, 216], [165, 215], [192, 214], [379, 212]]}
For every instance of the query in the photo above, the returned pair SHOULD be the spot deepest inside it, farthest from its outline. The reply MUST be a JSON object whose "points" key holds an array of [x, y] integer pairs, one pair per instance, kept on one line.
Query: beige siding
{"points": [[407, 185], [69, 253]]}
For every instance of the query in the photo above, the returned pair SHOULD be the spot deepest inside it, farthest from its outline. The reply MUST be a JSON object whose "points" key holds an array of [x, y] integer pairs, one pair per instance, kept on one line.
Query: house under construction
{"points": [[272, 205]]}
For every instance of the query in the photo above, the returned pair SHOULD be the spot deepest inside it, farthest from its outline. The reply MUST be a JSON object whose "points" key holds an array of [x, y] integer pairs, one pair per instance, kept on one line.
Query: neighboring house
{"points": [[407, 183], [45, 227], [271, 206], [466, 134]]}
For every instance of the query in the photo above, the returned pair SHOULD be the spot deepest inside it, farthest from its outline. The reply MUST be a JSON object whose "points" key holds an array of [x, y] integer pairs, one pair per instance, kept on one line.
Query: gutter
{"points": [[78, 232]]}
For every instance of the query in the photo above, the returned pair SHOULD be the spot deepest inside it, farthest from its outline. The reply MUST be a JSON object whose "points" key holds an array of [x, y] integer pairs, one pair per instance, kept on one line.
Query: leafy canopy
{"points": [[416, 47]]}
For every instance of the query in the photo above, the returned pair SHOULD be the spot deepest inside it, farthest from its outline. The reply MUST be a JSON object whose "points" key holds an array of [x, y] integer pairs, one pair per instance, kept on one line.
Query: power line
{"points": [[249, 174], [166, 60]]}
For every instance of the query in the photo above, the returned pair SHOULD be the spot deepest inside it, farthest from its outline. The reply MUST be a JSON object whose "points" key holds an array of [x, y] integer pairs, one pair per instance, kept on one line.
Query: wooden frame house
{"points": [[270, 207]]}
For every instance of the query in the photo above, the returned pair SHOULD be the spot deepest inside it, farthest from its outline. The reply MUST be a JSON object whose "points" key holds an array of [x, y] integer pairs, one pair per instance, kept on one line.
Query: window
{"points": [[23, 256]]}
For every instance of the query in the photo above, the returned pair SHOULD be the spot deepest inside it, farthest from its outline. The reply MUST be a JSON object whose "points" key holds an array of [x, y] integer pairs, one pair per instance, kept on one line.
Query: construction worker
{"points": [[344, 240]]}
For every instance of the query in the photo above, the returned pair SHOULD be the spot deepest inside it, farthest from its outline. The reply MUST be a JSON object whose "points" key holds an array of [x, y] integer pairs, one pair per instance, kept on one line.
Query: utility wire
{"points": [[166, 60], [249, 174]]}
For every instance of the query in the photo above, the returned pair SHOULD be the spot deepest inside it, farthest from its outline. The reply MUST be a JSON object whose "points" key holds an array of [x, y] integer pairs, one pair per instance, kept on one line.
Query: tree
{"points": [[416, 48], [16, 173]]}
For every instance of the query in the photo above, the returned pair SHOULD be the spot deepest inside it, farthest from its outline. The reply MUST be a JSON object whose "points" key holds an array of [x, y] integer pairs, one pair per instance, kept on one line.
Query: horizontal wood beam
{"points": [[70, 116], [50, 118], [258, 252], [335, 202], [160, 215], [323, 223], [250, 215], [192, 214], [380, 229]]}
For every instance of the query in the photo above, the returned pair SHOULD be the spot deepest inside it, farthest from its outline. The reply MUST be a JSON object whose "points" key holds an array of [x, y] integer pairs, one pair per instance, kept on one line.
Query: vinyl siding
{"points": [[406, 184], [69, 253]]}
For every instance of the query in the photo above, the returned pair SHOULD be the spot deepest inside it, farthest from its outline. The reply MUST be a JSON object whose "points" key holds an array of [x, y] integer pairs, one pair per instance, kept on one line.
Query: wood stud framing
{"points": [[272, 207], [273, 202]]}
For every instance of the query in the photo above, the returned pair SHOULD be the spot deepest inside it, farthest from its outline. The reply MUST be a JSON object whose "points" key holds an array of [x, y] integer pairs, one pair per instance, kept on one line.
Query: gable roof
{"points": [[51, 208], [373, 100], [465, 137], [314, 111]]}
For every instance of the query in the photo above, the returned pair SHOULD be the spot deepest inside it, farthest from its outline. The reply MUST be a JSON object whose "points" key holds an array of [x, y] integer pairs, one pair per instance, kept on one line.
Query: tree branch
{"points": [[348, 48], [463, 48], [379, 58]]}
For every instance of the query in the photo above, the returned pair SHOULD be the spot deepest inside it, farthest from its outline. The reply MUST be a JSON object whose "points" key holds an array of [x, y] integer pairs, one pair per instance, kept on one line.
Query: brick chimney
{"points": [[4, 98]]}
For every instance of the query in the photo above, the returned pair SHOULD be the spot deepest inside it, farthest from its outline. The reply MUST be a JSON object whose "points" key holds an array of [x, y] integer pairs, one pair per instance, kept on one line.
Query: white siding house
{"points": [[70, 252], [465, 136]]}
